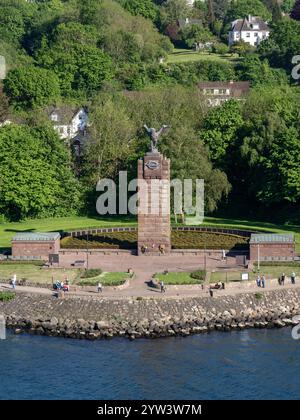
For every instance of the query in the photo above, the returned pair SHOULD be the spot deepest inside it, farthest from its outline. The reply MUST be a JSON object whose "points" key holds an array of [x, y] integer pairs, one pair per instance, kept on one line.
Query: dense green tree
{"points": [[259, 72], [242, 8], [220, 129], [35, 177], [73, 55], [31, 87], [282, 44], [3, 106], [242, 48], [270, 145], [145, 8], [192, 34]]}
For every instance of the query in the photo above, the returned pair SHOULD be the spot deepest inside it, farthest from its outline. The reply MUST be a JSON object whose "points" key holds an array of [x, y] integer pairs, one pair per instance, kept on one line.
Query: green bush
{"points": [[6, 296], [21, 262], [258, 295], [91, 273], [199, 275]]}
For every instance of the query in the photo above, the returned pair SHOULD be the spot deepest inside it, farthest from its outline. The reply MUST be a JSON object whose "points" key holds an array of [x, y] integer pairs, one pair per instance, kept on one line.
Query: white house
{"points": [[68, 122], [217, 93], [252, 30]]}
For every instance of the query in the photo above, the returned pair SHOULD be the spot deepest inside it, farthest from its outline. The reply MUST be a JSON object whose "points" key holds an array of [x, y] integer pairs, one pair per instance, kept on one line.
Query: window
{"points": [[248, 34], [222, 91], [255, 34]]}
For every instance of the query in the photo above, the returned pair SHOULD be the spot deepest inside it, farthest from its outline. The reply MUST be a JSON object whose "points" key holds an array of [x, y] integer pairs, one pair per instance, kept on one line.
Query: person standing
{"points": [[99, 288], [223, 254], [282, 279], [293, 278], [258, 281], [162, 287], [263, 281]]}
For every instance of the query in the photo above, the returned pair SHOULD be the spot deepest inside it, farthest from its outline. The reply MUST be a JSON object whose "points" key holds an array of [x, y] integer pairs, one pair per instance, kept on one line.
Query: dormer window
{"points": [[54, 117]]}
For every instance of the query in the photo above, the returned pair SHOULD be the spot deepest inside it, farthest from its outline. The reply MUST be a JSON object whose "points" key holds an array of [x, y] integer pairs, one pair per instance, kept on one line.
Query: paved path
{"points": [[134, 290]]}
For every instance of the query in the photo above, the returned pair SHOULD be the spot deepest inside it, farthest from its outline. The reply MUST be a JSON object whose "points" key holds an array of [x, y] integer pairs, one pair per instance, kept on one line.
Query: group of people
{"points": [[261, 281], [161, 248], [60, 285], [281, 279]]}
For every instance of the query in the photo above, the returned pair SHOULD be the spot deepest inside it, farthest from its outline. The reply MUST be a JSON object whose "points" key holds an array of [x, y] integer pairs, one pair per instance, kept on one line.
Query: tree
{"points": [[283, 43], [172, 10], [31, 87], [75, 58], [242, 8], [220, 128], [259, 72], [3, 106], [145, 8], [35, 176], [242, 48], [270, 144], [192, 34]]}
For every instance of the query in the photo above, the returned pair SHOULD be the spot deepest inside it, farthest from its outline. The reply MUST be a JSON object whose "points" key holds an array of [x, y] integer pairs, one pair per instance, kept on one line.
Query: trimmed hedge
{"points": [[91, 273], [180, 240]]}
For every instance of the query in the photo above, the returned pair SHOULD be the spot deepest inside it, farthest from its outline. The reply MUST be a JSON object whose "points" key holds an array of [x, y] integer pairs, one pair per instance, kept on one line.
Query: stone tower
{"points": [[154, 227]]}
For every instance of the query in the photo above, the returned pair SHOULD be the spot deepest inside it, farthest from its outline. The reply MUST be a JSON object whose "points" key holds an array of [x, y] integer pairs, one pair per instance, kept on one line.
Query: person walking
{"points": [[293, 278], [162, 287], [223, 254], [263, 281], [99, 288], [14, 281]]}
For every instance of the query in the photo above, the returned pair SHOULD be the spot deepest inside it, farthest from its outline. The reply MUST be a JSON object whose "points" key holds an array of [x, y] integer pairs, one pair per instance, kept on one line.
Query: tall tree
{"points": [[295, 13]]}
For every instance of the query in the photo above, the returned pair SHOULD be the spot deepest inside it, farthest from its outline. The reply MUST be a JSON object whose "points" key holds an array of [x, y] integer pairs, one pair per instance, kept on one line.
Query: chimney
{"points": [[249, 18]]}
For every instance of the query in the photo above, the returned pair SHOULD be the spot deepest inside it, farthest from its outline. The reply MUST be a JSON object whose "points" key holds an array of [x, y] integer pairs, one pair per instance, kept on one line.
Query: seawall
{"points": [[96, 318]]}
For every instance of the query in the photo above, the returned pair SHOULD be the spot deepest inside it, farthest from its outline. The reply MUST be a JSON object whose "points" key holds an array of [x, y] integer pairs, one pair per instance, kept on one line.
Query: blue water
{"points": [[251, 364]]}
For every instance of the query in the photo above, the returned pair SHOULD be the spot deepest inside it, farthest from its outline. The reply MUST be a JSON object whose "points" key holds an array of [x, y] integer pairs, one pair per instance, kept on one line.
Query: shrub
{"points": [[91, 273], [258, 295], [6, 296], [199, 275]]}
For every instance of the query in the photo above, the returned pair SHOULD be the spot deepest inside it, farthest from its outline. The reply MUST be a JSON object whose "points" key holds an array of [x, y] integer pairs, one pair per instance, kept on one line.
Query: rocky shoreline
{"points": [[88, 318]]}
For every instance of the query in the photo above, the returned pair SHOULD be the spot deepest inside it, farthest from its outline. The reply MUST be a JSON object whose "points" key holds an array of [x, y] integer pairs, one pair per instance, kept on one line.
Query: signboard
{"points": [[245, 276]]}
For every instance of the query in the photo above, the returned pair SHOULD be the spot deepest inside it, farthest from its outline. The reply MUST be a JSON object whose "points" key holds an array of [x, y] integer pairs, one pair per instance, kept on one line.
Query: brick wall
{"points": [[40, 249], [275, 250]]}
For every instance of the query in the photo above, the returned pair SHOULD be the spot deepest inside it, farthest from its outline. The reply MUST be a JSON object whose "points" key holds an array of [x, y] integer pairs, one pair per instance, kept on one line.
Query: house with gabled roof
{"points": [[251, 29]]}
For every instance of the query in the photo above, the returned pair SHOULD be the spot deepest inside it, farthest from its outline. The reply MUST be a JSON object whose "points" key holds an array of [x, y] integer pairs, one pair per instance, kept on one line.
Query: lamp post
{"points": [[87, 251]]}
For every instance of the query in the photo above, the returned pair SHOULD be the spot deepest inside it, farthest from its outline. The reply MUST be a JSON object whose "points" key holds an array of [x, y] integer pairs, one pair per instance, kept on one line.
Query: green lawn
{"points": [[268, 271], [177, 278], [255, 225], [106, 279], [8, 230], [36, 274], [181, 55]]}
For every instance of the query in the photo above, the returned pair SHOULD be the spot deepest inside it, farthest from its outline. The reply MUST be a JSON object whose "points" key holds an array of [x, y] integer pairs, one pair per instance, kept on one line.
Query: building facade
{"points": [[252, 30], [216, 93], [272, 247]]}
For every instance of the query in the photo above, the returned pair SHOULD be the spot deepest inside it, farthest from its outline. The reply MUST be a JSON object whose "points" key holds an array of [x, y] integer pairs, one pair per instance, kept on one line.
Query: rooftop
{"points": [[261, 238], [36, 236]]}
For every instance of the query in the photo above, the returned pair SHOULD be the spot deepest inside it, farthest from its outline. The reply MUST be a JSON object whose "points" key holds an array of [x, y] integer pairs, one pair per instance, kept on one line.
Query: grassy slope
{"points": [[184, 55], [7, 230]]}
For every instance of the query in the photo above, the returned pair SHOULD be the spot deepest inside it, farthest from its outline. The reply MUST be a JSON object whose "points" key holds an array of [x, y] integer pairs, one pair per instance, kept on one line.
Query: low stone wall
{"points": [[93, 318]]}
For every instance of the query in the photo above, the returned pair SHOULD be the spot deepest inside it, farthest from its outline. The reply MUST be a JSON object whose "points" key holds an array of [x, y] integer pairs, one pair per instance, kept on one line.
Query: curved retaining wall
{"points": [[150, 318]]}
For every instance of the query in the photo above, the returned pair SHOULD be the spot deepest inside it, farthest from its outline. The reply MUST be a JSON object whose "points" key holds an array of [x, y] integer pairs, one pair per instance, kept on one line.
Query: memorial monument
{"points": [[154, 227]]}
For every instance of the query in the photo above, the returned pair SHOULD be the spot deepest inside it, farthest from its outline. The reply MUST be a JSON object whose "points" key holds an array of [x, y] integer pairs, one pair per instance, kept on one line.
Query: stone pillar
{"points": [[154, 227]]}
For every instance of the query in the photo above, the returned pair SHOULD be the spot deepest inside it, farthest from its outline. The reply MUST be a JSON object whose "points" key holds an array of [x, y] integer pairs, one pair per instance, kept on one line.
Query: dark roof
{"points": [[246, 24], [260, 238], [36, 236], [236, 88], [184, 22]]}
